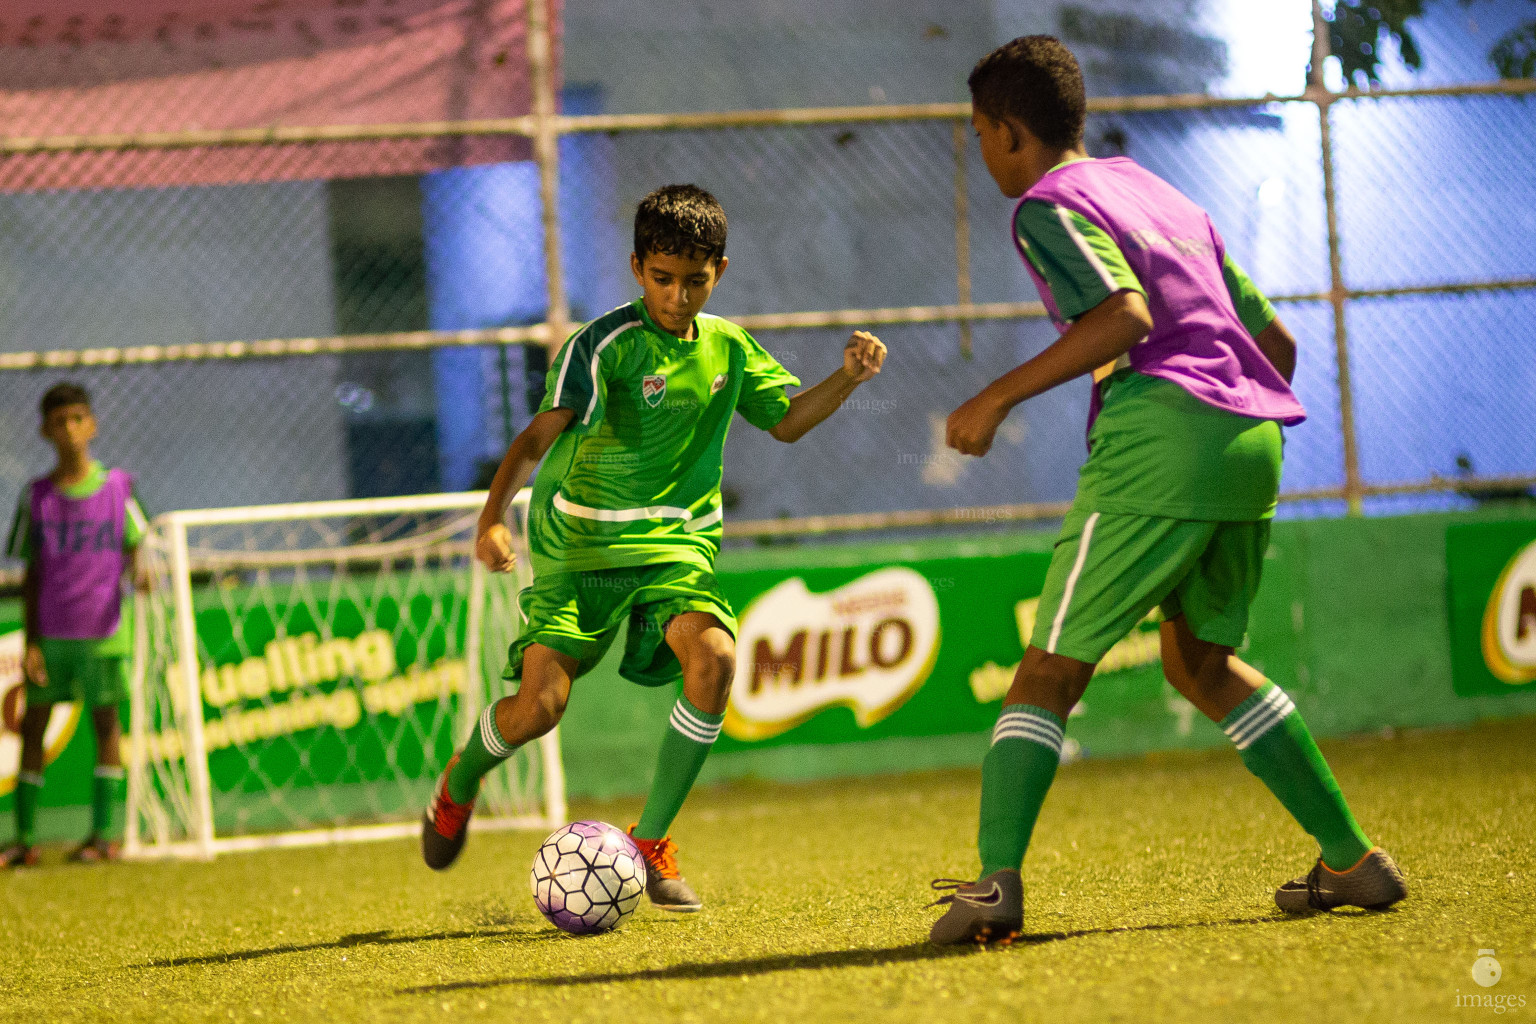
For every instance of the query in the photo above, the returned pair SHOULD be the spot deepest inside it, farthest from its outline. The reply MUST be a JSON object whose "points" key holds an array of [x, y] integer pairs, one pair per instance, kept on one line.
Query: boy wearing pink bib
{"points": [[1192, 373], [77, 529]]}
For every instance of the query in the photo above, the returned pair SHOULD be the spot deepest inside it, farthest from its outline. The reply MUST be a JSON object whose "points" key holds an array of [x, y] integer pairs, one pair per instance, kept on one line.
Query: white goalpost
{"points": [[302, 672]]}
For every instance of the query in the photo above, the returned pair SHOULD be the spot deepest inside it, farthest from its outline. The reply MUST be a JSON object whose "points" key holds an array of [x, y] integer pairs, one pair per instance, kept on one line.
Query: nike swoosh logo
{"points": [[982, 899]]}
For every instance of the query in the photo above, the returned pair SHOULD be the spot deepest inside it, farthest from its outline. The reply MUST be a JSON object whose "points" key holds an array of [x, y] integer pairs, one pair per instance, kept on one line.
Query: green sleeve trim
{"points": [[570, 382], [576, 380], [1253, 309], [20, 543], [1080, 263], [135, 522]]}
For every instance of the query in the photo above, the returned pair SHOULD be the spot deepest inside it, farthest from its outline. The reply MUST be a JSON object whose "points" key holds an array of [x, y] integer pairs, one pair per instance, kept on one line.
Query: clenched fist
{"points": [[494, 548], [863, 356], [971, 428]]}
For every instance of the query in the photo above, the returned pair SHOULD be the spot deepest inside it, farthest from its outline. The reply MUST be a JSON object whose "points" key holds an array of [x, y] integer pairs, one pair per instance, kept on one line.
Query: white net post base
{"points": [[303, 672]]}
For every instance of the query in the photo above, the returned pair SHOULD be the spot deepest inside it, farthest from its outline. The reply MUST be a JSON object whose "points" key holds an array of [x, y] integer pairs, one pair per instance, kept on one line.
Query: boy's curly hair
{"points": [[680, 220], [1034, 80], [61, 394]]}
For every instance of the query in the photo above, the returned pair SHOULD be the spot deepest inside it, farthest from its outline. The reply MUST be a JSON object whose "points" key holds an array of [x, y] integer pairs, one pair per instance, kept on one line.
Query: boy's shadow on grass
{"points": [[909, 953], [380, 938]]}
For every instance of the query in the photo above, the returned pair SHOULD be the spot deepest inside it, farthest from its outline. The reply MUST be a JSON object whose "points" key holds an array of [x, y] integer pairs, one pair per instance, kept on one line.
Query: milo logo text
{"points": [[868, 645]]}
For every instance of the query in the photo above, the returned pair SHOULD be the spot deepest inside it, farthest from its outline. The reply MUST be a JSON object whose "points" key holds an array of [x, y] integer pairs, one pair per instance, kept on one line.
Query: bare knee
{"points": [[530, 713], [1208, 675], [34, 725], [714, 661], [708, 684], [707, 652], [550, 704], [541, 697], [1050, 681], [106, 722], [1190, 665]]}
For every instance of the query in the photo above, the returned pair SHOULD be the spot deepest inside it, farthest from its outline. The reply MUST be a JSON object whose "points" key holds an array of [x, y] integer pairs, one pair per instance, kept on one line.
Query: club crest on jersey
{"points": [[721, 379], [652, 387]]}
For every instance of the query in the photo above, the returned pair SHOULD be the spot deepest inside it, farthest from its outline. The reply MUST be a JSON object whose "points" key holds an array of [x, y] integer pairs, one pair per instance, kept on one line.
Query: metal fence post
{"points": [[546, 151], [962, 239], [1338, 296]]}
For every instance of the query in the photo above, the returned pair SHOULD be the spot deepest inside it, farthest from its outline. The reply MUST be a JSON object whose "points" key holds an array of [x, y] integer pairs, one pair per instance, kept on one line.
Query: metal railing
{"points": [[546, 129]]}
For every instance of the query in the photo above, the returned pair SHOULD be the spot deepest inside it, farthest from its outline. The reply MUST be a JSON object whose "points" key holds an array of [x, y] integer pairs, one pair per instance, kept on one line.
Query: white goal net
{"points": [[302, 674]]}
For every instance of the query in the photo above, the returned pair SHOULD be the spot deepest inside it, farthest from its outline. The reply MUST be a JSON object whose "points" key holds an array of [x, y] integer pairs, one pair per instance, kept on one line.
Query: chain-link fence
{"points": [[322, 337]]}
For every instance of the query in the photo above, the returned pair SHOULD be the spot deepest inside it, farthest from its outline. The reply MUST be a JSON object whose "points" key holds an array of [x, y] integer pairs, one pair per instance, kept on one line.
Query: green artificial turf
{"points": [[1148, 898]]}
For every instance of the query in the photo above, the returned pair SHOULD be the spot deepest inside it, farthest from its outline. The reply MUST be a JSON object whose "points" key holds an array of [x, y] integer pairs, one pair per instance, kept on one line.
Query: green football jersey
{"points": [[635, 478]]}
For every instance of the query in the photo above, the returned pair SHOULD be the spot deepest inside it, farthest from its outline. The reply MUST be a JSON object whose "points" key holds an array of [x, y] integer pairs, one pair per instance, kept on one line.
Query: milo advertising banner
{"points": [[1491, 577], [921, 647], [13, 704]]}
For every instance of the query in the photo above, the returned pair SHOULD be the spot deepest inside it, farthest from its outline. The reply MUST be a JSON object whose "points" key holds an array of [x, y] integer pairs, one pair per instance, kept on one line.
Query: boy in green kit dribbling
{"points": [[625, 520]]}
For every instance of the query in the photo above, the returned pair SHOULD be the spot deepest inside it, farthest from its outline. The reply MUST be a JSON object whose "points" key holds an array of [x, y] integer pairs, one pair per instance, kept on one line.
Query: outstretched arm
{"points": [[862, 358], [1101, 335], [493, 541]]}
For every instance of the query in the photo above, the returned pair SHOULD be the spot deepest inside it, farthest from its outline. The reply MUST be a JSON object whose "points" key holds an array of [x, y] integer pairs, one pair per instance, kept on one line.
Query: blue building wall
{"points": [[483, 244], [483, 239]]}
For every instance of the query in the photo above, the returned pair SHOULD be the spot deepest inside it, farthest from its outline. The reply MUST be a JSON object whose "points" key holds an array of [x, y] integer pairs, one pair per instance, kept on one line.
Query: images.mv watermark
{"points": [[1488, 972]]}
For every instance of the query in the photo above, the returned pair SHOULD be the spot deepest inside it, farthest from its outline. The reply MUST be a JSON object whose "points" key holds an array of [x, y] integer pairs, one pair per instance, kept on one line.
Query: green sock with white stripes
{"points": [[690, 735], [1274, 743], [106, 797], [485, 750], [1015, 776], [29, 785]]}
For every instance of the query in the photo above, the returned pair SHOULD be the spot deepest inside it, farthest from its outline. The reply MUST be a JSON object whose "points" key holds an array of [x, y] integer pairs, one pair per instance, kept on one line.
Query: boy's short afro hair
{"points": [[64, 393], [1034, 80], [680, 220]]}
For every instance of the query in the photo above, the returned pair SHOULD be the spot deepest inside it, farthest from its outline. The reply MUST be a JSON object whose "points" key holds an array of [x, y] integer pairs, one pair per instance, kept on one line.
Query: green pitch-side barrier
{"points": [[1355, 619], [867, 658]]}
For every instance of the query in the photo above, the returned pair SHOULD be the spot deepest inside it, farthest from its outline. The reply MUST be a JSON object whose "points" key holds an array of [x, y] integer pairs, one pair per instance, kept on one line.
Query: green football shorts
{"points": [[1109, 570], [579, 614], [77, 672]]}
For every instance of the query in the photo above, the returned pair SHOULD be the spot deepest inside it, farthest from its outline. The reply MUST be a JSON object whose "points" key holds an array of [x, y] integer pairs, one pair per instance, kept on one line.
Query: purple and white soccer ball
{"points": [[587, 877]]}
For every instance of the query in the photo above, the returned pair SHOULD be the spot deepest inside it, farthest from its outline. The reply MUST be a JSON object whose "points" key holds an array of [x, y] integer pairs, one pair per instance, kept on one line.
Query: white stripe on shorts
{"points": [[1077, 570]]}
